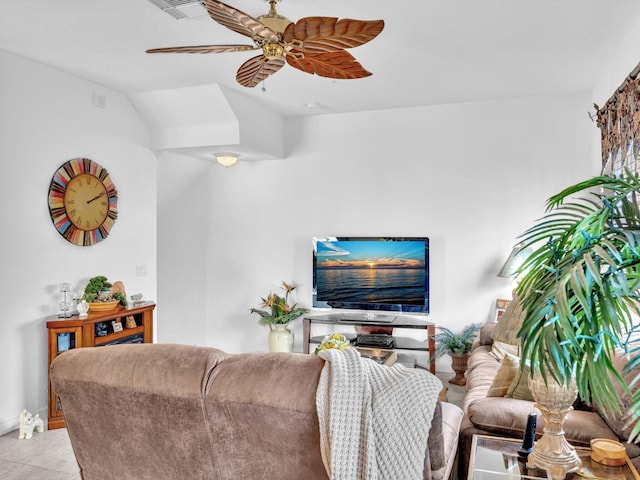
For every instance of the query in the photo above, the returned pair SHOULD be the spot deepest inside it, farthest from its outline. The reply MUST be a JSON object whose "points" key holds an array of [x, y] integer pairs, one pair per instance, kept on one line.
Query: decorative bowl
{"points": [[103, 306], [608, 452]]}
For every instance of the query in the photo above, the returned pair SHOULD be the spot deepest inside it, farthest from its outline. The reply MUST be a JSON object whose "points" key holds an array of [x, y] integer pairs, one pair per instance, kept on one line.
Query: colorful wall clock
{"points": [[83, 201]]}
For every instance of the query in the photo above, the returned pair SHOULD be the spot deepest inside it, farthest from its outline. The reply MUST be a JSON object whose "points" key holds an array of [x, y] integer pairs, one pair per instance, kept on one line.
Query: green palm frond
{"points": [[580, 287]]}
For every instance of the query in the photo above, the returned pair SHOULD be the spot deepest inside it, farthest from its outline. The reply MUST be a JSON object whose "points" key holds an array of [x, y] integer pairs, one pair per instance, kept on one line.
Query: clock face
{"points": [[86, 202], [83, 201]]}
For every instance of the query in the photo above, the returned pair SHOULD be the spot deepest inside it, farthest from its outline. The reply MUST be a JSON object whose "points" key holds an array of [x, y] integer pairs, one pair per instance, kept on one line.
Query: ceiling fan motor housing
{"points": [[277, 23]]}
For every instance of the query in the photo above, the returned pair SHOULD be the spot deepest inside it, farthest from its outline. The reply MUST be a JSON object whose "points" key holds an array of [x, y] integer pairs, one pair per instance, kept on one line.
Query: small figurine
{"points": [[28, 423], [83, 309], [118, 287], [131, 322]]}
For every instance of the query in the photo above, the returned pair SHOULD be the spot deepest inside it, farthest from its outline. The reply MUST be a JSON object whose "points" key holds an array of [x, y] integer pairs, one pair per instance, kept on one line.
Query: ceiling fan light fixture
{"points": [[227, 159]]}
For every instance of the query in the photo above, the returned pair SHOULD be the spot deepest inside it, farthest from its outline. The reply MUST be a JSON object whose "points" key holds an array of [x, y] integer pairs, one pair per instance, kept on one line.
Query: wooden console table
{"points": [[400, 321], [94, 331]]}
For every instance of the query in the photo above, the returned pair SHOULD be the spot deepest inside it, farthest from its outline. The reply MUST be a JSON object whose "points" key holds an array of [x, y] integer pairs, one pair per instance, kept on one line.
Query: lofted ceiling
{"points": [[430, 52]]}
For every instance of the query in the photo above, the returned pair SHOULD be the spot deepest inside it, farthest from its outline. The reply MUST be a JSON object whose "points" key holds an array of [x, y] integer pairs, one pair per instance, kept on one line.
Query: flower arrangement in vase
{"points": [[279, 314]]}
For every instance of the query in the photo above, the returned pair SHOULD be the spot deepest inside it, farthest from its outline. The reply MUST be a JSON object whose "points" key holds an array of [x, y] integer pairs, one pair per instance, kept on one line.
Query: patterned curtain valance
{"points": [[619, 122]]}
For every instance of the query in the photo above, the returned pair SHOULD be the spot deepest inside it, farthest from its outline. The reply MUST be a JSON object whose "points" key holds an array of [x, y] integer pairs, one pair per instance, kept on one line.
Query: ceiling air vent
{"points": [[181, 8]]}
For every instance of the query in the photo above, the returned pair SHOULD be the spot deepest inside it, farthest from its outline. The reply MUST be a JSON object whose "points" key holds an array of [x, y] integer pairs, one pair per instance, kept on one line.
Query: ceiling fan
{"points": [[315, 45]]}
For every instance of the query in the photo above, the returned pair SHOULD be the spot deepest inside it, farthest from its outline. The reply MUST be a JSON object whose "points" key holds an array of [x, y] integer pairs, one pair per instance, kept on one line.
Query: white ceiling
{"points": [[430, 52]]}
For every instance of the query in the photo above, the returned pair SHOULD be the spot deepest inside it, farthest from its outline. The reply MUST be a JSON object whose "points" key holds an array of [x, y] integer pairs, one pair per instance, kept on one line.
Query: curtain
{"points": [[619, 122]]}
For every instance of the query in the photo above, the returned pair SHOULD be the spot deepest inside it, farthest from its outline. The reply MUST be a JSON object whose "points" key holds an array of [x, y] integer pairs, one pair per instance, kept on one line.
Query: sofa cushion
{"points": [[618, 421], [482, 368], [510, 366], [508, 417], [500, 349]]}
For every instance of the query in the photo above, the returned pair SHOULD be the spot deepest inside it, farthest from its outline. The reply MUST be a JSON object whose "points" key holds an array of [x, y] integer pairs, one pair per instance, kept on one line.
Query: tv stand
{"points": [[397, 322], [369, 318]]}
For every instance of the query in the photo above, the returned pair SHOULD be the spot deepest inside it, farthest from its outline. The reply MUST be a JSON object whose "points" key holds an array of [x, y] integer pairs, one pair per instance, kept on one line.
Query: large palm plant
{"points": [[581, 287]]}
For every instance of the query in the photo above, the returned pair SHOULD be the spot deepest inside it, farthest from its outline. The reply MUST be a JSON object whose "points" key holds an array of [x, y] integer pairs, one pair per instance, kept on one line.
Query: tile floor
{"points": [[48, 455]]}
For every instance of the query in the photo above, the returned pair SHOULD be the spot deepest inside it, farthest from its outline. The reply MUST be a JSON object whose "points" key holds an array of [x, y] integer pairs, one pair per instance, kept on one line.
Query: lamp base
{"points": [[552, 452]]}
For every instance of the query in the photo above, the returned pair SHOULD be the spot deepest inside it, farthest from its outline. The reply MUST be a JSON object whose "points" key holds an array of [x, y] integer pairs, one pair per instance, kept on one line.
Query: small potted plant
{"points": [[279, 314], [458, 346], [99, 296]]}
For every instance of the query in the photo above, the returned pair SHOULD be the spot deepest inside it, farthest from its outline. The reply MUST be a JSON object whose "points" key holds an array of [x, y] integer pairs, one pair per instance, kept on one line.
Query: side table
{"points": [[497, 458]]}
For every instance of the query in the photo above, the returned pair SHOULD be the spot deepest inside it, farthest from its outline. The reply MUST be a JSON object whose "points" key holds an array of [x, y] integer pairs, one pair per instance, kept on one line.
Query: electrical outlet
{"points": [[99, 100]]}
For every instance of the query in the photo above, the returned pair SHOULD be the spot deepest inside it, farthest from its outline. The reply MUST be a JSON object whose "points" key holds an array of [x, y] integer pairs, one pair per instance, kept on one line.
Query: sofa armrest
{"points": [[451, 421]]}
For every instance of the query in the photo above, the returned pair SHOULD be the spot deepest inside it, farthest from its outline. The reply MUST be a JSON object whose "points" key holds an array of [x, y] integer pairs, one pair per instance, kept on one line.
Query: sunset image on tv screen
{"points": [[384, 272]]}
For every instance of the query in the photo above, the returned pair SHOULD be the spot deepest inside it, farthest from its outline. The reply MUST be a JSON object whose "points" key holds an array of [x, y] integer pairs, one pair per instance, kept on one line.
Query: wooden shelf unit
{"points": [[69, 333]]}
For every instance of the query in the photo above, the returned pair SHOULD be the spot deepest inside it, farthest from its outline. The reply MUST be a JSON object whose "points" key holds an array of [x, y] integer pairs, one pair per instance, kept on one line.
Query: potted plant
{"points": [[279, 314], [98, 291], [580, 290], [458, 346]]}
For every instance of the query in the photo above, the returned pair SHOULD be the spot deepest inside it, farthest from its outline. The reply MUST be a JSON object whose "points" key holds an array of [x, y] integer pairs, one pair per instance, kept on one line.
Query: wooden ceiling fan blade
{"points": [[328, 34], [257, 69], [238, 21], [204, 49], [341, 65]]}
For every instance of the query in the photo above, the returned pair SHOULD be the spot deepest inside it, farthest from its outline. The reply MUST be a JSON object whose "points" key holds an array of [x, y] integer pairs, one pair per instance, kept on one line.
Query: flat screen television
{"points": [[371, 273]]}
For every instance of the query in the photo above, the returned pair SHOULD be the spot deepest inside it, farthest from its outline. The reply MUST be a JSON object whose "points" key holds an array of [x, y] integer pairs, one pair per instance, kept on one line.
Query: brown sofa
{"points": [[507, 417], [157, 411]]}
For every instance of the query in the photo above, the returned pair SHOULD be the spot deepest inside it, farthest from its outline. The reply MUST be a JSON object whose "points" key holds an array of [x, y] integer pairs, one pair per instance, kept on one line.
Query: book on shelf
{"points": [[380, 355]]}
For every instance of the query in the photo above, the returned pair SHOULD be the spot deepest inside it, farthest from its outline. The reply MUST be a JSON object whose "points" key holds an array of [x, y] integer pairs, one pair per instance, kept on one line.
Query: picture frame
{"points": [[500, 308], [117, 326]]}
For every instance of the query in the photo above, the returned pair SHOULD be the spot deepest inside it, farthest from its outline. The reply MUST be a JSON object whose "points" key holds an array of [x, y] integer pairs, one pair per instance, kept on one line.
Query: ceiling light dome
{"points": [[227, 159]]}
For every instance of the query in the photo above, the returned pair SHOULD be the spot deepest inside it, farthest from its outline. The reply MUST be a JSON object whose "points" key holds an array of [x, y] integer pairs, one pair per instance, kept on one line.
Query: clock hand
{"points": [[96, 197]]}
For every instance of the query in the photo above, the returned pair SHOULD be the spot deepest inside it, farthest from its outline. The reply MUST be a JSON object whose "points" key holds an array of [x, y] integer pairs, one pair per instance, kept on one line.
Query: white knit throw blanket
{"points": [[374, 420]]}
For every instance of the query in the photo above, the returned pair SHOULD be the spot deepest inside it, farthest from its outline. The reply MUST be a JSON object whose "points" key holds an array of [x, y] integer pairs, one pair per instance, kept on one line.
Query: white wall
{"points": [[46, 118], [470, 176], [613, 74], [620, 64]]}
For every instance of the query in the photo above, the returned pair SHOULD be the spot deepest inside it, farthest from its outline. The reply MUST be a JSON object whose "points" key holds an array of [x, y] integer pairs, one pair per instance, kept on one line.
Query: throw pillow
{"points": [[508, 370], [500, 349], [519, 387], [510, 323]]}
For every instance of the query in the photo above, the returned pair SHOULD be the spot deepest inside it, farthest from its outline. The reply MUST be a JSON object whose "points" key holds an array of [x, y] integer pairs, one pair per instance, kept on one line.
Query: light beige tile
{"points": [[16, 471], [49, 451]]}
